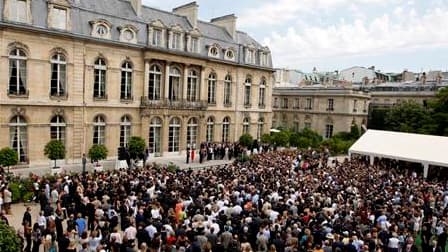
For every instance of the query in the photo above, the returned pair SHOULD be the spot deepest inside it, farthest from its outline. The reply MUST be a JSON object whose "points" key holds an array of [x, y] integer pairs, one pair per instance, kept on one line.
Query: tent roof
{"points": [[403, 146]]}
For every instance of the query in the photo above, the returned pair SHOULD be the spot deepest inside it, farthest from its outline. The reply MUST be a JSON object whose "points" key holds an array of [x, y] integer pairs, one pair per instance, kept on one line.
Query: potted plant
{"points": [[55, 150], [8, 157], [137, 148], [96, 153]]}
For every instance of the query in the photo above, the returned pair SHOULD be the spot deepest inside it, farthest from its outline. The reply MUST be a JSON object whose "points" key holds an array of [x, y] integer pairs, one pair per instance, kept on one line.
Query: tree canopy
{"points": [[54, 150], [136, 147], [246, 140], [97, 152], [9, 241], [8, 157]]}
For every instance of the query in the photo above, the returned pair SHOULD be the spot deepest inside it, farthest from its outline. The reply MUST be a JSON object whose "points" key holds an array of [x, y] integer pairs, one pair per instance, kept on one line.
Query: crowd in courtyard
{"points": [[276, 201]]}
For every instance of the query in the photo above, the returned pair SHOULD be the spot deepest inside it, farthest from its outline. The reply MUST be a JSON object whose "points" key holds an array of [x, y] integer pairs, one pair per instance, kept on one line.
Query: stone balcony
{"points": [[181, 104]]}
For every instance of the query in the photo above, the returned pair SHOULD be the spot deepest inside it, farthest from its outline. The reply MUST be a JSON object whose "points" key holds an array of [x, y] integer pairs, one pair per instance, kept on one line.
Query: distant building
{"points": [[362, 75], [327, 110]]}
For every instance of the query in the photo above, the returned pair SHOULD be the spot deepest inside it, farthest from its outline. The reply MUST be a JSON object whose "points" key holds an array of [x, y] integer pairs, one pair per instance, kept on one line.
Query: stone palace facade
{"points": [[97, 72]]}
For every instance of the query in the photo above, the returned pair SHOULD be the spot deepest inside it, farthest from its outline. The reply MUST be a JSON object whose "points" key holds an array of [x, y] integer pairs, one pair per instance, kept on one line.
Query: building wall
{"points": [[343, 115], [79, 108]]}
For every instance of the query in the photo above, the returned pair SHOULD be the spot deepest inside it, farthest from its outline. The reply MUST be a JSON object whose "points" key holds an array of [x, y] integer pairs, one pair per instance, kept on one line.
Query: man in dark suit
{"points": [[27, 215]]}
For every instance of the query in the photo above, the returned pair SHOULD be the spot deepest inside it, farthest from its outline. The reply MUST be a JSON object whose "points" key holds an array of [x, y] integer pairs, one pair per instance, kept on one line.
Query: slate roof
{"points": [[120, 12]]}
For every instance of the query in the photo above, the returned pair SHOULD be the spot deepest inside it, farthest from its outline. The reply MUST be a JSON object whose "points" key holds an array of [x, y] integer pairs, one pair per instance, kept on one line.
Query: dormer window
{"points": [[213, 51], [250, 57], [101, 29], [194, 47], [157, 33], [128, 34], [176, 42], [58, 14], [157, 37], [18, 10], [264, 57], [229, 55]]}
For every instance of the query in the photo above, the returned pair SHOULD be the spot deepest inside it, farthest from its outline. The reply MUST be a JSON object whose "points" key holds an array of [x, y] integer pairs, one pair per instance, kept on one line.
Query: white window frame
{"points": [[211, 88], [99, 129], [155, 83], [210, 130], [125, 131], [228, 90], [174, 135], [18, 128], [155, 136], [126, 82], [59, 62], [18, 56], [329, 128], [58, 128], [226, 129], [100, 69], [247, 91]]}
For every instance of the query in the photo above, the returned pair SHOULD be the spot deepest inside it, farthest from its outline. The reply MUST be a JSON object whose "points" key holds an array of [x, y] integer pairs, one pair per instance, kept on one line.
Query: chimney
{"points": [[137, 6], [190, 11], [227, 22]]}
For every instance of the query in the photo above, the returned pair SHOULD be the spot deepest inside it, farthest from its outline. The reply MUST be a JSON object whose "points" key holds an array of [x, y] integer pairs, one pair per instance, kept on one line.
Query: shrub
{"points": [[136, 147], [246, 140], [172, 167], [98, 152], [55, 150], [8, 157], [9, 241]]}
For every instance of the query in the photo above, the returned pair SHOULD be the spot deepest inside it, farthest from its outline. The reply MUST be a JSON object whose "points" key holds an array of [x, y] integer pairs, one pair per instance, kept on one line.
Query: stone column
{"points": [[164, 134], [183, 135], [146, 79], [184, 82], [166, 82]]}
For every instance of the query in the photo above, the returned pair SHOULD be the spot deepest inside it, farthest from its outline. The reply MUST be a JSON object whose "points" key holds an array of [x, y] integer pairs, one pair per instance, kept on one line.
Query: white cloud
{"points": [[281, 11], [404, 31]]}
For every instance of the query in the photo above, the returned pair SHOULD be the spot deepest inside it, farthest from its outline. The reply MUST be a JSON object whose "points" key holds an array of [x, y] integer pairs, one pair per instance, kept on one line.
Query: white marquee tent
{"points": [[425, 149]]}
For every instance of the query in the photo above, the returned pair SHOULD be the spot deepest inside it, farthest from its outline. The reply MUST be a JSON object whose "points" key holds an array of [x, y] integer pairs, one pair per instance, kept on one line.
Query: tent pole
{"points": [[425, 170]]}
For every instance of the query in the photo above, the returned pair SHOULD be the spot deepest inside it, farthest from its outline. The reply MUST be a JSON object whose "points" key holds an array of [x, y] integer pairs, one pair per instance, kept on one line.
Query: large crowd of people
{"points": [[276, 201]]}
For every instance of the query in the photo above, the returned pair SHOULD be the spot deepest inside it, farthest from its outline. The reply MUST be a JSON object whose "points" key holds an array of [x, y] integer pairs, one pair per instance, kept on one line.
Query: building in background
{"points": [[97, 72], [327, 110]]}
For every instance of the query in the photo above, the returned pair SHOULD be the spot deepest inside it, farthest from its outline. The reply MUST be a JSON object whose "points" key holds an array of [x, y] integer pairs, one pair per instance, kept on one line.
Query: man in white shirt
{"points": [[130, 233]]}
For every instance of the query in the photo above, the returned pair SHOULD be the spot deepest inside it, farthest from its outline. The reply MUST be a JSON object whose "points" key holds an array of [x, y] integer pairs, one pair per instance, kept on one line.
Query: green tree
{"points": [[409, 117], [9, 241], [281, 138], [98, 152], [8, 157], [246, 140], [136, 147], [308, 138], [266, 138], [439, 108], [377, 118], [355, 133], [55, 150]]}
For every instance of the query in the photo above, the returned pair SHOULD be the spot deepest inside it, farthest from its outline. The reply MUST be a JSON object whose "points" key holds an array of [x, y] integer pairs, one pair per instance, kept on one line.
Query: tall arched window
{"points": [[174, 135], [155, 136], [126, 81], [174, 85], [247, 94], [58, 75], [125, 131], [246, 125], [99, 85], [17, 72], [99, 130], [192, 85], [57, 128], [192, 132], [18, 137], [211, 89], [262, 93], [227, 90], [225, 129], [210, 130], [155, 78], [260, 127]]}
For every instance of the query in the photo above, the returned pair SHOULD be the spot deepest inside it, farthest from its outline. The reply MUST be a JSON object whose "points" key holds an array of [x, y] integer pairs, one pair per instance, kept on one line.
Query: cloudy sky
{"points": [[335, 34]]}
